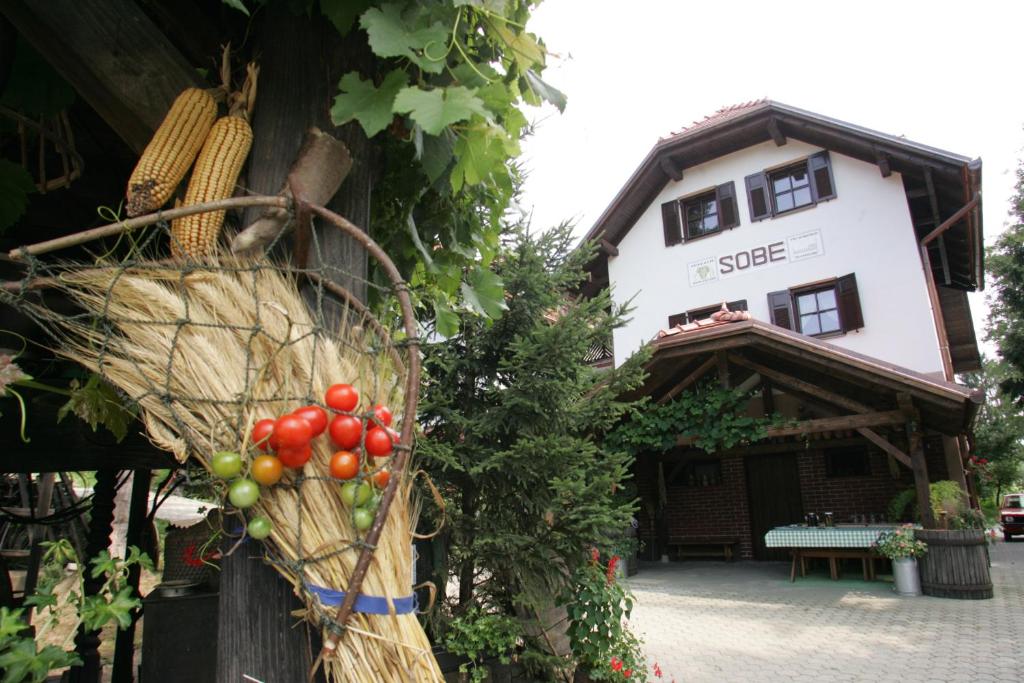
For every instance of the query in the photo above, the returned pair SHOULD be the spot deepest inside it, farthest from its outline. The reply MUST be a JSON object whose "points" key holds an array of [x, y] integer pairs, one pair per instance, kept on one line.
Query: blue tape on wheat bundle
{"points": [[367, 604]]}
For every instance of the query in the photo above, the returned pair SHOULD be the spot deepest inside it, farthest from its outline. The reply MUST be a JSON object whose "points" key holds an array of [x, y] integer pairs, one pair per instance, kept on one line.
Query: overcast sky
{"points": [[946, 74]]}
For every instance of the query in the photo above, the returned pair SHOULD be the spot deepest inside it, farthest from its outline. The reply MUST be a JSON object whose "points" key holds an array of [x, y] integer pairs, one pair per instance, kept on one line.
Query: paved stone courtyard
{"points": [[713, 621]]}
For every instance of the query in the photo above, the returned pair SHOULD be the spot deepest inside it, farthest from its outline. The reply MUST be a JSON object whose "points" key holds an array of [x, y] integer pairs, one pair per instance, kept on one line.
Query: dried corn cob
{"points": [[214, 177], [216, 173], [171, 152]]}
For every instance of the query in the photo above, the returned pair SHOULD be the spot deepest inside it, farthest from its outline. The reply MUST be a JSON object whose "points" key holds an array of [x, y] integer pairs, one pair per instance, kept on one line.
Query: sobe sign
{"points": [[796, 247]]}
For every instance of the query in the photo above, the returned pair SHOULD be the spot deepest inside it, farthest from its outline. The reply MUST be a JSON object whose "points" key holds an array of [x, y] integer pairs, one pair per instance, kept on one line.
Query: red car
{"points": [[1011, 515]]}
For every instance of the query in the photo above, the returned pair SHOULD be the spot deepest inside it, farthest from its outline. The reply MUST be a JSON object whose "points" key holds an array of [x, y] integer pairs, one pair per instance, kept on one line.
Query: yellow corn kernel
{"points": [[170, 153], [214, 177]]}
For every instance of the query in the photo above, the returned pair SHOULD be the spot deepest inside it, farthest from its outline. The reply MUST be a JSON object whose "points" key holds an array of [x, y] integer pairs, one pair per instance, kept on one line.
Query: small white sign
{"points": [[805, 245], [703, 271]]}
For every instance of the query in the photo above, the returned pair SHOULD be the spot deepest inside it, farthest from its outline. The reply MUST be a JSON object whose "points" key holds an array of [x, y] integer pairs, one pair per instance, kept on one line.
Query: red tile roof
{"points": [[720, 116], [722, 317]]}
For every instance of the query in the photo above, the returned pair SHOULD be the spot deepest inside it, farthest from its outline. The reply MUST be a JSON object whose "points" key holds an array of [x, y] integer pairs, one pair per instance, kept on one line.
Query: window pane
{"points": [[711, 223], [711, 206], [802, 197], [784, 202], [692, 212], [826, 299], [780, 183], [799, 177], [806, 303], [829, 321], [809, 324]]}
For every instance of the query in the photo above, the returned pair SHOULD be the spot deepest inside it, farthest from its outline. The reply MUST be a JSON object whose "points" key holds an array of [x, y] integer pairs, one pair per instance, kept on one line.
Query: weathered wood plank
{"points": [[112, 54], [886, 445], [921, 483], [800, 385], [702, 369]]}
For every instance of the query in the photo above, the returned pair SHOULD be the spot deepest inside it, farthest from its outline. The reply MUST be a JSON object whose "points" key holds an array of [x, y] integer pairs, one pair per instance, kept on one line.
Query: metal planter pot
{"points": [[904, 571]]}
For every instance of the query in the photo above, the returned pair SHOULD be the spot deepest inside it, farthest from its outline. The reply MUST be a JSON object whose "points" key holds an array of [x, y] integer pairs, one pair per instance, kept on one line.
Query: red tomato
{"points": [[315, 416], [295, 457], [265, 469], [342, 397], [379, 442], [383, 414], [261, 432], [292, 431], [345, 431], [380, 479], [344, 465]]}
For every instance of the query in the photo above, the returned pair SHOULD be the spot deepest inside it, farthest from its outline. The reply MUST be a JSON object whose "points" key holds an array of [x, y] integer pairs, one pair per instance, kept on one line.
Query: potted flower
{"points": [[903, 549]]}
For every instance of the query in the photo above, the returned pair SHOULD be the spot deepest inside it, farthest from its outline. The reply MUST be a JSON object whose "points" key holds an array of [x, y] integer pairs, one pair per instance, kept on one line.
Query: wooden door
{"points": [[773, 486]]}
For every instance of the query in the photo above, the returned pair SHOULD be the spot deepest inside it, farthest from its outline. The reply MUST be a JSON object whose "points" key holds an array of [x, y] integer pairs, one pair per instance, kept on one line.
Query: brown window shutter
{"points": [[781, 306], [677, 319], [848, 300], [757, 196], [822, 184], [671, 224], [728, 216]]}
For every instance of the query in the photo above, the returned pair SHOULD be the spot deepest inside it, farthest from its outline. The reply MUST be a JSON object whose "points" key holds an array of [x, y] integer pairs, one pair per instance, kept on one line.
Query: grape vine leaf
{"points": [[362, 101], [238, 5], [436, 154], [541, 90], [447, 320], [480, 152], [436, 109], [495, 6], [97, 403], [485, 293], [15, 186], [526, 51], [426, 45], [343, 13]]}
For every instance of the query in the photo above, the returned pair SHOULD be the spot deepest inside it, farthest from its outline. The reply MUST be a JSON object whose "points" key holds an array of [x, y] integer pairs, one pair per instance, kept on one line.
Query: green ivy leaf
{"points": [[343, 13], [542, 90], [436, 109], [362, 101], [485, 293], [391, 36], [15, 186]]}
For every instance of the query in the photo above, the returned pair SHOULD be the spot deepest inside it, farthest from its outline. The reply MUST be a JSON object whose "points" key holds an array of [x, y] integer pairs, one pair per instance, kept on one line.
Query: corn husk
{"points": [[206, 352]]}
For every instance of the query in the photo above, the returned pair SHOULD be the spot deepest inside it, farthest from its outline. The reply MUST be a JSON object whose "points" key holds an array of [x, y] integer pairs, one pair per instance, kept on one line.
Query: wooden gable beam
{"points": [[785, 380], [824, 424], [886, 445], [608, 249], [112, 55], [776, 132], [671, 168], [701, 370]]}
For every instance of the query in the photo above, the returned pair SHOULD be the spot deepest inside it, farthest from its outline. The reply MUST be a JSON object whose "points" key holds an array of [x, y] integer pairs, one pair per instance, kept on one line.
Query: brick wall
{"points": [[723, 509]]}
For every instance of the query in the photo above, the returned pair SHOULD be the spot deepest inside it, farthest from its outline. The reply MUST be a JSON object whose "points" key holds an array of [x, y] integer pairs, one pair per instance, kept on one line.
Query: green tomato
{"points": [[259, 527], [226, 464], [363, 518], [243, 493], [355, 493]]}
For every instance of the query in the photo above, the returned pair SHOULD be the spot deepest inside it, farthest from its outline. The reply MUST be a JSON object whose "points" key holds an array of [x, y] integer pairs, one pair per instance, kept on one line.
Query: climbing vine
{"points": [[715, 416]]}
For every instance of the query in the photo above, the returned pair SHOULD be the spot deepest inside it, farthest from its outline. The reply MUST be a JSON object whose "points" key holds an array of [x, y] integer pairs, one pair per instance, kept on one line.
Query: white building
{"points": [[805, 221]]}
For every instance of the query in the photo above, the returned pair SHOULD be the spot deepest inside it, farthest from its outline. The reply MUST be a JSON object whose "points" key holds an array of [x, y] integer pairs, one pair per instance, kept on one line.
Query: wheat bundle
{"points": [[208, 351]]}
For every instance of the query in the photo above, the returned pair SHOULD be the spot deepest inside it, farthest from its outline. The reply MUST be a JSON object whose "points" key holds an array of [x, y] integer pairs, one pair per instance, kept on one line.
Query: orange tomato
{"points": [[266, 470]]}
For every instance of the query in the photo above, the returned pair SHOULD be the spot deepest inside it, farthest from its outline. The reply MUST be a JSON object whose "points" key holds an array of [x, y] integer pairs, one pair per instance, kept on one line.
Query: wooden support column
{"points": [[954, 462], [37, 532], [921, 482], [767, 396], [98, 539], [722, 359], [138, 526]]}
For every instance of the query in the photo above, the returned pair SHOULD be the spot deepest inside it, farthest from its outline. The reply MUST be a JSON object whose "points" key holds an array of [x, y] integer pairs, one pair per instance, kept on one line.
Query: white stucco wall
{"points": [[865, 230]]}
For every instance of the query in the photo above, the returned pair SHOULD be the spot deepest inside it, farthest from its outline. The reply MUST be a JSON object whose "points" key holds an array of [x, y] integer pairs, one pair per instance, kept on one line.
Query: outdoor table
{"points": [[832, 543]]}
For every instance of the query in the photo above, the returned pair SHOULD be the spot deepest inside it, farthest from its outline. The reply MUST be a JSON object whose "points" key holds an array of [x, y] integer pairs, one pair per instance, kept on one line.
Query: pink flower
{"points": [[657, 670]]}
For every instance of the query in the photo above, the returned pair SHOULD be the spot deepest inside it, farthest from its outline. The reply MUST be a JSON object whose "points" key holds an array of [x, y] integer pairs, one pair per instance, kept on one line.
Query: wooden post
{"points": [[954, 462], [723, 369], [138, 525], [87, 642], [767, 396], [921, 482]]}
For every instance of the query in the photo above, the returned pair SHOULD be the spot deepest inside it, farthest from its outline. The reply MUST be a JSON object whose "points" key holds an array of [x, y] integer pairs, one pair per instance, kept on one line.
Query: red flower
{"points": [[616, 664], [627, 673], [657, 670], [611, 568]]}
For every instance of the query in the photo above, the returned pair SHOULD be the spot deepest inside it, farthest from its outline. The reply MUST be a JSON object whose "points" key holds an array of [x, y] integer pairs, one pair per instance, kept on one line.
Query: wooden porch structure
{"points": [[833, 395]]}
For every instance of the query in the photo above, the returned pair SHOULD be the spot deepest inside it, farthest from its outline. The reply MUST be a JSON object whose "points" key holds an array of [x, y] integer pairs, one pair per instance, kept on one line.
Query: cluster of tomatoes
{"points": [[288, 442]]}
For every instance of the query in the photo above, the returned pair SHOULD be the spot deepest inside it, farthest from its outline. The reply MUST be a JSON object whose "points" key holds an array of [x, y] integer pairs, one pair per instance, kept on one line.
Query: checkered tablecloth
{"points": [[797, 536]]}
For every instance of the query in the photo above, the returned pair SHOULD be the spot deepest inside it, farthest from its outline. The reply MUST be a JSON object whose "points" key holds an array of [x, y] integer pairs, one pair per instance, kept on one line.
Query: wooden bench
{"points": [[833, 555], [704, 546]]}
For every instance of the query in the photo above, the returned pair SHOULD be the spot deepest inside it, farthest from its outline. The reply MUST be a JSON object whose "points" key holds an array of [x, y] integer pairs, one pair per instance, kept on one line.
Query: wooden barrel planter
{"points": [[956, 564]]}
